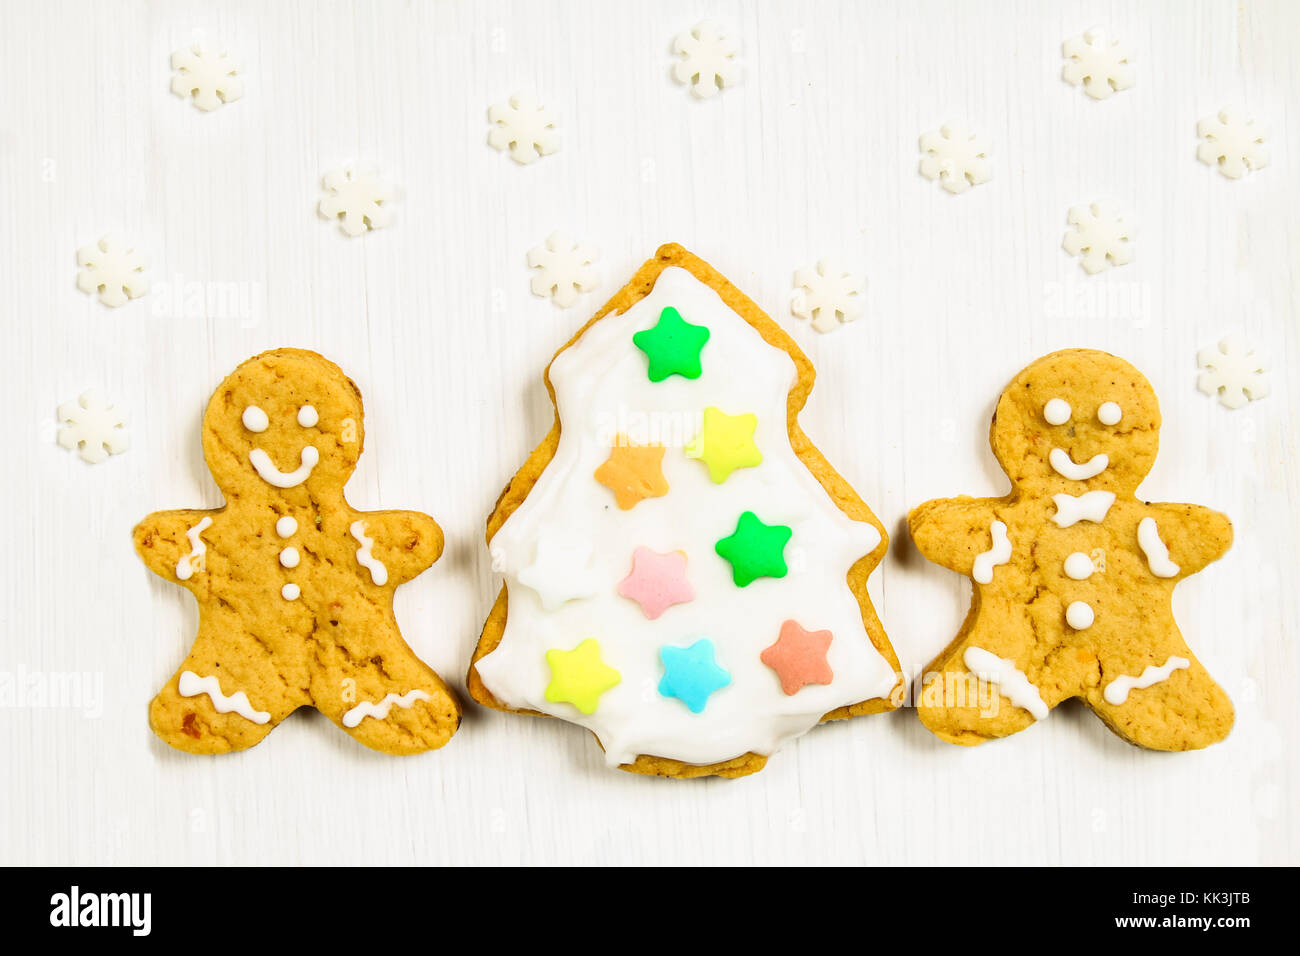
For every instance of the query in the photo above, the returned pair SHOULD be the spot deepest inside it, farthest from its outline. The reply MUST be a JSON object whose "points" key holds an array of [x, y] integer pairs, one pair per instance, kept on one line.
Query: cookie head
{"points": [[284, 419], [1075, 421]]}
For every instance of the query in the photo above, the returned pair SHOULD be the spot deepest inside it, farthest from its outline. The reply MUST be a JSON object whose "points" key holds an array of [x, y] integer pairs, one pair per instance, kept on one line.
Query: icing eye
{"points": [[307, 416], [1057, 411], [1109, 414], [255, 419]]}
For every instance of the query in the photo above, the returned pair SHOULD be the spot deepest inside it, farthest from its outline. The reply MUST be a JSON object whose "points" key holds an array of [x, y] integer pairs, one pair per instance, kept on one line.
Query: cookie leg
{"points": [[1185, 710], [207, 708], [969, 694], [392, 703]]}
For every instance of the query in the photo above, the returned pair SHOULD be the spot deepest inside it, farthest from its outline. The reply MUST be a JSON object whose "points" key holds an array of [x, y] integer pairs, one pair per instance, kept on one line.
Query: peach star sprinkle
{"points": [[799, 658], [633, 472]]}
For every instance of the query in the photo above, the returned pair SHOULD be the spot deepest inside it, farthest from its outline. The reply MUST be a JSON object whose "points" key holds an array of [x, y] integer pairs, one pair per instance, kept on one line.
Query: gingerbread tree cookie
{"points": [[295, 587], [1073, 573], [685, 574]]}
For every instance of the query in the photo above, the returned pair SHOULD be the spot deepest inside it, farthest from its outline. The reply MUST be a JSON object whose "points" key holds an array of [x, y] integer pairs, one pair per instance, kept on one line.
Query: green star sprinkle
{"points": [[755, 550], [672, 346]]}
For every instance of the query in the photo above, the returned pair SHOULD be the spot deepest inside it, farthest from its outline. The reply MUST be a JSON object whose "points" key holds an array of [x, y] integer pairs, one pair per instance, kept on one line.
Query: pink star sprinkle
{"points": [[799, 658], [657, 582]]}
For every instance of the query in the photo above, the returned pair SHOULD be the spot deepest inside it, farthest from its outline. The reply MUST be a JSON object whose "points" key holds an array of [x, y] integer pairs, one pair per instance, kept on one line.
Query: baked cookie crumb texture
{"points": [[295, 587], [1073, 574], [685, 574]]}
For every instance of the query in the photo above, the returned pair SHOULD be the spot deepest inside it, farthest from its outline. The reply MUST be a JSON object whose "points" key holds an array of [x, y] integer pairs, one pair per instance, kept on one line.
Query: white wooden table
{"points": [[814, 154]]}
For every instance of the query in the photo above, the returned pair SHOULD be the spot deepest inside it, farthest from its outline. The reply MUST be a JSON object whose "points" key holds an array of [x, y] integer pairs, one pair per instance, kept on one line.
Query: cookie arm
{"points": [[952, 531], [1195, 535], [405, 542], [160, 540]]}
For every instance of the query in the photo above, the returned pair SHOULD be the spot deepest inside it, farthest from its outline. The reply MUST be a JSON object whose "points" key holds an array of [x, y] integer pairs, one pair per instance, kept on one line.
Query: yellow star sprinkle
{"points": [[725, 443], [579, 676]]}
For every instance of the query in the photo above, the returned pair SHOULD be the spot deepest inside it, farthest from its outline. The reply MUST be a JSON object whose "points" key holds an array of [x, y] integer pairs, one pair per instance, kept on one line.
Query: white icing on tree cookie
{"points": [[602, 391]]}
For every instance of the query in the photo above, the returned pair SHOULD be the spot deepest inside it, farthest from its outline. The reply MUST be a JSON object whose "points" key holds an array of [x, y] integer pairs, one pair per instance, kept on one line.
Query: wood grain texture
{"points": [[813, 154]]}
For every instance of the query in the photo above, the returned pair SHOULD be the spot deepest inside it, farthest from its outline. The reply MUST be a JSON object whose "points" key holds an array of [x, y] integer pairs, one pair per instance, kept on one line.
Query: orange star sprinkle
{"points": [[633, 472]]}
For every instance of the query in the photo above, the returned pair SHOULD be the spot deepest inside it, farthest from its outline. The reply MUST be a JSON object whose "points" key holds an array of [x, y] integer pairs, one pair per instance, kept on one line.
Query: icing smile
{"points": [[1065, 465], [284, 479]]}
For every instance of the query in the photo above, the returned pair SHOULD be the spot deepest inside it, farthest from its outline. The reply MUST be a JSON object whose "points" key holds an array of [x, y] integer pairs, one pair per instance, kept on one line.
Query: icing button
{"points": [[691, 674], [799, 657], [1079, 616], [633, 473], [286, 525], [657, 582], [672, 346], [725, 443], [308, 416], [289, 557], [579, 676], [290, 592], [1079, 566], [755, 550]]}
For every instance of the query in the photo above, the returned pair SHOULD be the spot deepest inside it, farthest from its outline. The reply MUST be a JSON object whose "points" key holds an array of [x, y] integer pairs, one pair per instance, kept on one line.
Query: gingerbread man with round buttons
{"points": [[295, 587], [1073, 573]]}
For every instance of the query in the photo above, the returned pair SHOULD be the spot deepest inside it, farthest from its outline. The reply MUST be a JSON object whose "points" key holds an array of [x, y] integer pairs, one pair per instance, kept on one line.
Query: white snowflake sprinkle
{"points": [[524, 127], [1233, 141], [1232, 370], [93, 426], [1102, 65], [828, 295], [564, 269], [707, 61], [114, 269], [956, 156], [211, 78], [1102, 235], [358, 198]]}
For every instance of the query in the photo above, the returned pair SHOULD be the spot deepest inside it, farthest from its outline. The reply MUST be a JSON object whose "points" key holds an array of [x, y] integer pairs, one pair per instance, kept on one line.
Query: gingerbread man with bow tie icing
{"points": [[1073, 573], [295, 587]]}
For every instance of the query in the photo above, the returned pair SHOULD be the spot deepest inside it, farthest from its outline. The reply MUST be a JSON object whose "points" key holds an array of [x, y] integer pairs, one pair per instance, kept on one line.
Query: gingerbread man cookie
{"points": [[295, 587], [1073, 573]]}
